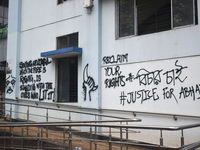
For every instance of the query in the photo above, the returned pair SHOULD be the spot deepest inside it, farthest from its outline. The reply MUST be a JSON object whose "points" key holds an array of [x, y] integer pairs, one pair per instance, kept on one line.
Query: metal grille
{"points": [[139, 17]]}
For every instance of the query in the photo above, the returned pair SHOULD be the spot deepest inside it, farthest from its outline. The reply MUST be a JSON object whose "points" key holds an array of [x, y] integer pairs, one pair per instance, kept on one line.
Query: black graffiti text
{"points": [[115, 59], [115, 82], [46, 94], [37, 62], [32, 70], [112, 71], [175, 74], [191, 91], [142, 95], [115, 77], [46, 91], [146, 78], [169, 93], [34, 66], [28, 87], [32, 86], [28, 95]]}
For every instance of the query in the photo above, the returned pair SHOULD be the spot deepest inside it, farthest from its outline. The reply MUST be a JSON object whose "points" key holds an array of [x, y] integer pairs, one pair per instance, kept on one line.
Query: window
{"points": [[61, 1], [67, 70], [70, 40], [4, 3], [139, 17]]}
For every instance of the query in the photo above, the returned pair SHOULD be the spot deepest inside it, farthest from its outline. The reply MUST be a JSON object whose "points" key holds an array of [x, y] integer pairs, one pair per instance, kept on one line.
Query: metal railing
{"points": [[47, 116], [96, 129], [69, 142], [44, 135], [58, 105]]}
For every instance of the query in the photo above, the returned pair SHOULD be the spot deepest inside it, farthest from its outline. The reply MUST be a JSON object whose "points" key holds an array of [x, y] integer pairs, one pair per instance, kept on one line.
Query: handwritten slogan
{"points": [[32, 85], [173, 82]]}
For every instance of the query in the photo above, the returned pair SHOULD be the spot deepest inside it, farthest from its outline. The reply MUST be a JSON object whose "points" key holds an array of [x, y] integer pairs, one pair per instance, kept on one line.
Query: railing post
{"points": [[12, 136], [121, 134], [110, 138], [70, 138], [47, 119], [41, 138], [95, 144], [5, 138], [38, 138], [27, 118], [64, 130], [70, 116], [90, 138], [161, 138], [22, 144], [10, 112], [47, 115], [182, 138], [126, 135]]}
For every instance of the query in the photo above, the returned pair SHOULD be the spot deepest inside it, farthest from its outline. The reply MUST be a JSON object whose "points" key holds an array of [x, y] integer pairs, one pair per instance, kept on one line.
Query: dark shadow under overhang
{"points": [[64, 52]]}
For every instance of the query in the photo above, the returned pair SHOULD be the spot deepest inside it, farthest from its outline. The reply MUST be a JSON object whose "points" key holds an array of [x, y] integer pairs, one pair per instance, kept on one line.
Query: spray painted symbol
{"points": [[10, 84], [88, 84]]}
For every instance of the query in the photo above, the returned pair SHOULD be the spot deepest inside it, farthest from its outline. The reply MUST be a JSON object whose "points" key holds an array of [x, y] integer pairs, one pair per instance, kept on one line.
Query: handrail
{"points": [[63, 123], [109, 126], [103, 109], [148, 127], [154, 113], [59, 109]]}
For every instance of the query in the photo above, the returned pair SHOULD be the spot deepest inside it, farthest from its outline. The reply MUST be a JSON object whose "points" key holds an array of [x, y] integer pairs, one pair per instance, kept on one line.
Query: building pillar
{"points": [[13, 49]]}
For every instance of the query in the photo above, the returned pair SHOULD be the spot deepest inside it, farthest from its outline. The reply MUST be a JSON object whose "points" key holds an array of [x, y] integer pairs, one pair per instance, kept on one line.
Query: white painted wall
{"points": [[39, 23], [91, 43], [151, 52], [40, 29], [148, 52], [168, 44], [43, 21], [13, 45], [42, 13], [164, 86]]}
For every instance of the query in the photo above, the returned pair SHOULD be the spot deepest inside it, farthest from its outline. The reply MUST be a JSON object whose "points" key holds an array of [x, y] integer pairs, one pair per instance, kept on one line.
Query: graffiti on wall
{"points": [[88, 84], [154, 78], [10, 84], [32, 85], [138, 85], [115, 59]]}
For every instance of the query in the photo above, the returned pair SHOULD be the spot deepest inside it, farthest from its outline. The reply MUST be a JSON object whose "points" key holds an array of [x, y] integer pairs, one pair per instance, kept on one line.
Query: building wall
{"points": [[163, 45], [35, 31], [48, 12], [91, 44], [39, 35], [153, 73], [108, 62], [40, 24], [154, 55]]}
